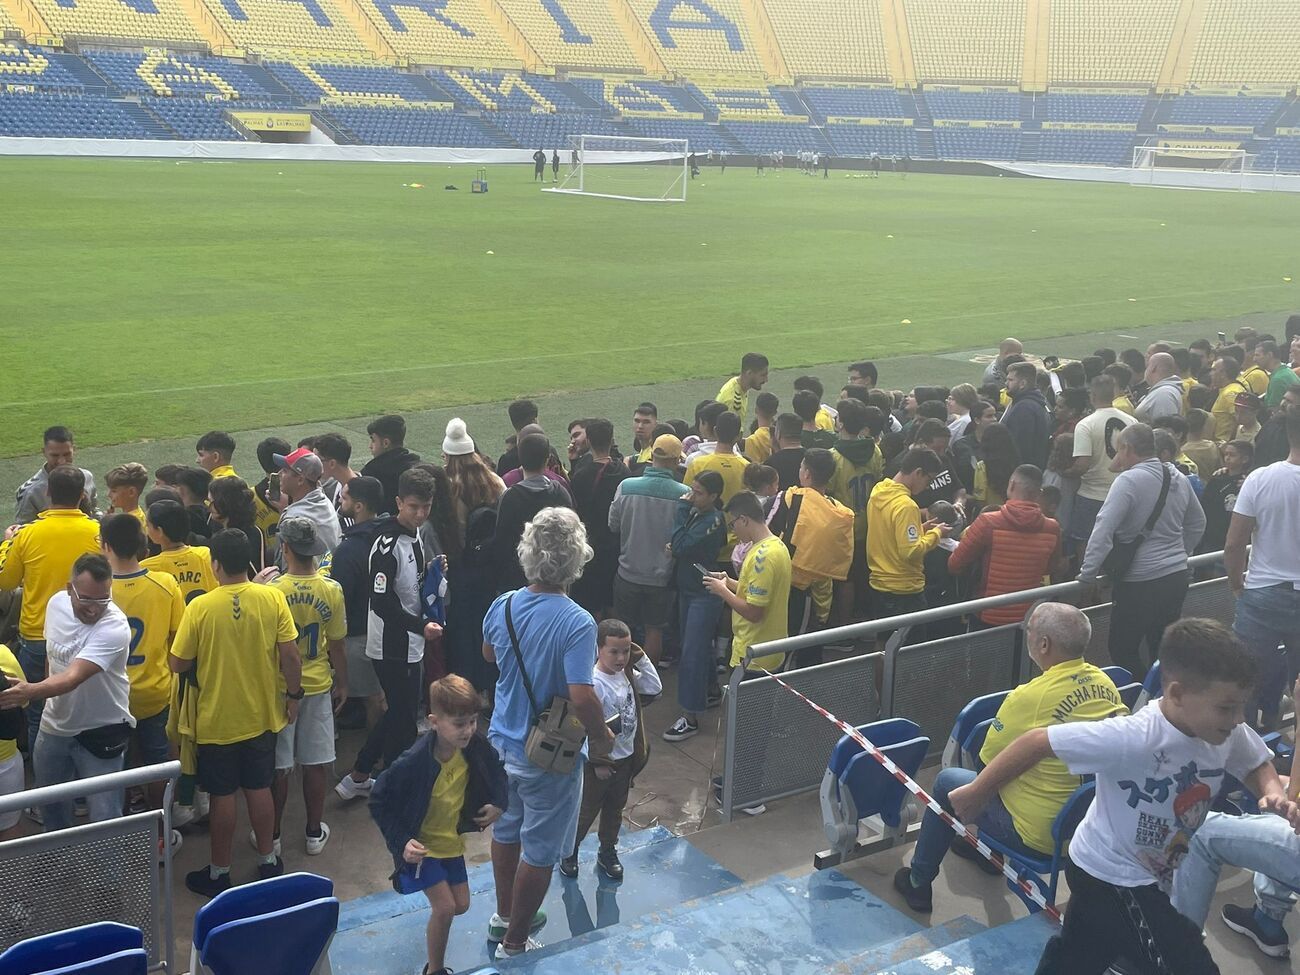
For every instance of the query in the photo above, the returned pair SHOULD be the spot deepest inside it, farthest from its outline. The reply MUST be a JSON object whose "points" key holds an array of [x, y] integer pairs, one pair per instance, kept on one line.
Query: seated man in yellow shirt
{"points": [[1068, 689]]}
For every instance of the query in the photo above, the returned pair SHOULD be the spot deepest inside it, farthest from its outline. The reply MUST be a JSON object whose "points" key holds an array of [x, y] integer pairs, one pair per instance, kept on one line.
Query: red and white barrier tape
{"points": [[1028, 889]]}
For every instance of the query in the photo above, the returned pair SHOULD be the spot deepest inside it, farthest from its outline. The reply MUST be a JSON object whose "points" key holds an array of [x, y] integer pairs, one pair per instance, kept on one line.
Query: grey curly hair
{"points": [[554, 548]]}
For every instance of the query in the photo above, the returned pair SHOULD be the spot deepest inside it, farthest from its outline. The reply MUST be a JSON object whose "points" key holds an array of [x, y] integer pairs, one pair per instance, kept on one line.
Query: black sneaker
{"points": [[200, 881], [681, 729], [919, 899], [265, 871], [967, 852], [1242, 920], [608, 862], [569, 867]]}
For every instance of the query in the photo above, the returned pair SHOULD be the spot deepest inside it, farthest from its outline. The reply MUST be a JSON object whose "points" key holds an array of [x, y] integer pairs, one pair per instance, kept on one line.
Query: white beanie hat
{"points": [[457, 442]]}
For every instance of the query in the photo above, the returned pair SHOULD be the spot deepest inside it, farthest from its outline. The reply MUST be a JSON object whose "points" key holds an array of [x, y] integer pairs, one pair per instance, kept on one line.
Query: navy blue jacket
{"points": [[350, 568], [400, 797], [1027, 420]]}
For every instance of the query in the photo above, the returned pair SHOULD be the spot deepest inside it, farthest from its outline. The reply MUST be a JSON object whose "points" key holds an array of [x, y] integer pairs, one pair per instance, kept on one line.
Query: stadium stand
{"points": [[639, 95], [413, 126], [441, 32], [317, 80], [495, 91], [830, 39], [20, 65], [700, 38], [990, 103], [73, 116], [1098, 147], [1282, 155], [1093, 41], [980, 42], [573, 34], [552, 130], [863, 140], [753, 103], [1089, 107], [1248, 41], [965, 140], [180, 75], [308, 26], [702, 135], [7, 24], [141, 20], [771, 136], [1239, 109], [844, 102], [195, 118]]}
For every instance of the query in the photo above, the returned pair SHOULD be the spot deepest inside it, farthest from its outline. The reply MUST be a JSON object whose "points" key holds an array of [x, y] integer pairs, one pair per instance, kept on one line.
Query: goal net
{"points": [[1166, 164], [626, 168]]}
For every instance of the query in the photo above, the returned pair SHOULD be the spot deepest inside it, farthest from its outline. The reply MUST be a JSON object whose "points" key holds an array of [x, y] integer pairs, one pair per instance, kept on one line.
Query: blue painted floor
{"points": [[383, 934], [1009, 949]]}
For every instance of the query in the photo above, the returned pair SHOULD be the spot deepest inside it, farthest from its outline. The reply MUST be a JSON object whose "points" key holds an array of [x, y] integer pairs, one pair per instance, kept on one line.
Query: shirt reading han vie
{"points": [[316, 604]]}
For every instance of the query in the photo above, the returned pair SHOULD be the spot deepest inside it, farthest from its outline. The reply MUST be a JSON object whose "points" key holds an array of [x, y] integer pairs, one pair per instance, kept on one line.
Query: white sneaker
{"points": [[202, 804], [502, 952], [183, 815], [36, 815], [176, 842], [252, 841], [755, 810], [350, 788], [316, 844]]}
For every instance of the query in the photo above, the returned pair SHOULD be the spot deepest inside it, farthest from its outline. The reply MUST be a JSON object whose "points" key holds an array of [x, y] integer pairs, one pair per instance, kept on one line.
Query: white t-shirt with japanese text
{"points": [[1154, 787]]}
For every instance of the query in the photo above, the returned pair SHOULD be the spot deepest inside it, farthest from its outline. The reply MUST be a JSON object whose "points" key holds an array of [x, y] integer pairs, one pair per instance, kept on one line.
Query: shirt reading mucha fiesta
{"points": [[1154, 787]]}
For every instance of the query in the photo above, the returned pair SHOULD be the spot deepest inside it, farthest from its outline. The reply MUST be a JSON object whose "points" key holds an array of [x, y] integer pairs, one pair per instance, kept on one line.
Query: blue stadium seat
{"points": [[983, 708], [1053, 107], [1035, 869], [1150, 687], [1119, 676], [75, 946], [856, 786], [855, 102], [1224, 110], [132, 962], [283, 925], [863, 140], [974, 744], [991, 104]]}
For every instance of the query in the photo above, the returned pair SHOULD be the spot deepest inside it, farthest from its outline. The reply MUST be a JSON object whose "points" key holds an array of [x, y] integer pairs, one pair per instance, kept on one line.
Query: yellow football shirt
{"points": [[10, 668], [851, 486], [190, 566], [1254, 378], [764, 581], [758, 445], [438, 833], [1070, 691], [39, 558], [316, 604], [153, 606], [824, 420], [232, 634], [734, 397], [1224, 412], [730, 466], [223, 470]]}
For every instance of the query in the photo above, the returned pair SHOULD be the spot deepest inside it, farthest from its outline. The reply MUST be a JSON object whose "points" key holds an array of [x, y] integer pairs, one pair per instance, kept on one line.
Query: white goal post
{"points": [[1230, 166], [621, 167]]}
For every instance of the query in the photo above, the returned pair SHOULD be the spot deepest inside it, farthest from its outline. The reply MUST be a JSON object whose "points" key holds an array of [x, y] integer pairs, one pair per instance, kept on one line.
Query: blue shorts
{"points": [[542, 814], [151, 738], [430, 872]]}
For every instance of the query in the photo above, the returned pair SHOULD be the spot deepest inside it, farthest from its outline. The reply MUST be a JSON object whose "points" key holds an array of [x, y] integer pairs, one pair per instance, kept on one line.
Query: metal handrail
{"points": [[67, 791], [856, 631]]}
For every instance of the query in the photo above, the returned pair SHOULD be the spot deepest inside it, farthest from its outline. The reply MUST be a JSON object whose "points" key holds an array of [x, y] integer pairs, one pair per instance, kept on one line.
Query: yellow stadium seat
{"points": [[1094, 41], [315, 26], [1248, 42], [457, 32], [967, 40], [588, 37], [830, 39], [6, 22], [701, 38], [151, 20]]}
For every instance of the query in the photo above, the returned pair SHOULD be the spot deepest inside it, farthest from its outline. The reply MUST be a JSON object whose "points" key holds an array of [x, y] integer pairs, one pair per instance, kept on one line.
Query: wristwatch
{"points": [[297, 695]]}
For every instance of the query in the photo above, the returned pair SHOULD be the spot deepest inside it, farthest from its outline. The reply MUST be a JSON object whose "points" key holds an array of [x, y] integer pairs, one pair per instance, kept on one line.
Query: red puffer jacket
{"points": [[1010, 550]]}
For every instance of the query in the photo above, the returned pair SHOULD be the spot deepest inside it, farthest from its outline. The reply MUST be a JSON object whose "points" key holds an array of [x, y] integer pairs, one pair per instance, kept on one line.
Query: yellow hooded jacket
{"points": [[896, 545]]}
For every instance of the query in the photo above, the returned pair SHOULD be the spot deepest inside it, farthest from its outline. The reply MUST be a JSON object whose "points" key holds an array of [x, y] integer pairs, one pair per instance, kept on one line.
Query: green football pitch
{"points": [[155, 299]]}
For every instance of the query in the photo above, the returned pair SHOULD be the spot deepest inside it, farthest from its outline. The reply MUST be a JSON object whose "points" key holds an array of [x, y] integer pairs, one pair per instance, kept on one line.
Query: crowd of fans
{"points": [[238, 622]]}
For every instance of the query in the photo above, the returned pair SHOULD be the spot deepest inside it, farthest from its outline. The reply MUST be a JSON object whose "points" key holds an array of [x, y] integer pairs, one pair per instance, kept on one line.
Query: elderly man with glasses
{"points": [[87, 720]]}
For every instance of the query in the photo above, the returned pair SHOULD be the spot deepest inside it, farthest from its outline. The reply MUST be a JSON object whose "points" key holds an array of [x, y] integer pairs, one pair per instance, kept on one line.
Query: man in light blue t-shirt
{"points": [[557, 643]]}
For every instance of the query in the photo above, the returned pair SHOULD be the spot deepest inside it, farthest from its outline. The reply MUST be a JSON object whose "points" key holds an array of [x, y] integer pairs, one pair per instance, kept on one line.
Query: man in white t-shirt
{"points": [[1094, 450], [87, 719], [1157, 773], [1267, 517]]}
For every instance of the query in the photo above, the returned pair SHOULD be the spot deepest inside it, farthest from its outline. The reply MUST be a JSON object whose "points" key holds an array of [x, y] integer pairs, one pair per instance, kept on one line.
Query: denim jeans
{"points": [[1257, 843], [62, 759], [31, 657], [1267, 619], [542, 815], [698, 614], [936, 835]]}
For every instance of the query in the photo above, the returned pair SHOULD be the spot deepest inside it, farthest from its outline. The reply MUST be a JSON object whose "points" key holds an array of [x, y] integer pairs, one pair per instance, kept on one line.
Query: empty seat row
{"points": [[446, 32], [992, 104], [156, 20], [1248, 41], [1109, 40], [573, 34], [830, 39], [973, 40], [855, 102]]}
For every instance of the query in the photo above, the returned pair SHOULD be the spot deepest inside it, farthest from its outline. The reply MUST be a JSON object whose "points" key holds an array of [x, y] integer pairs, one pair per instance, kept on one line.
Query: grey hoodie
{"points": [[1165, 398], [317, 509], [1124, 513]]}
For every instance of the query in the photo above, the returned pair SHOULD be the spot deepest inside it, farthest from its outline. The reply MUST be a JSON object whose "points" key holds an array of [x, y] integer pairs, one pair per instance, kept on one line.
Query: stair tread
{"points": [[1008, 949], [911, 946]]}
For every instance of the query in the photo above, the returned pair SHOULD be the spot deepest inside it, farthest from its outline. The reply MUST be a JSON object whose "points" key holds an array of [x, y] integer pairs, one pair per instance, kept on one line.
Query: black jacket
{"points": [[350, 568], [387, 468], [515, 510], [395, 624], [1030, 426], [400, 797]]}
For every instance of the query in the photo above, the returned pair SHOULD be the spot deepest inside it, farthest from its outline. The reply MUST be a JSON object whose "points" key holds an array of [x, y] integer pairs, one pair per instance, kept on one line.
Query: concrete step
{"points": [[910, 946], [802, 926], [384, 933], [1009, 949]]}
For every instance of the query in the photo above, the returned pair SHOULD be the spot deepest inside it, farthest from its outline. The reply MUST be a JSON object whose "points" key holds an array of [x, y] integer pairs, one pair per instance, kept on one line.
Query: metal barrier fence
{"points": [[109, 871], [775, 747]]}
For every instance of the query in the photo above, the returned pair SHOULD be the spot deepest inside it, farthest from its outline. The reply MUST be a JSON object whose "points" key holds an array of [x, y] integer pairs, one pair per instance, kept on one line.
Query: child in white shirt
{"points": [[1158, 772], [622, 672]]}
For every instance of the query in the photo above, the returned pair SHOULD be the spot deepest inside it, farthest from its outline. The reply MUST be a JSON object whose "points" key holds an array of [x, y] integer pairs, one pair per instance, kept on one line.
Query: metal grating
{"points": [[97, 872], [934, 681], [1211, 599], [781, 744], [1099, 648]]}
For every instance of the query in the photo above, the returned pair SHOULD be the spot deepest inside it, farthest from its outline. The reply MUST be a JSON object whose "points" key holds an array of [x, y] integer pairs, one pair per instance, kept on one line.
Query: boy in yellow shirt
{"points": [[168, 526], [126, 483], [451, 781]]}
